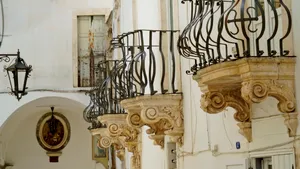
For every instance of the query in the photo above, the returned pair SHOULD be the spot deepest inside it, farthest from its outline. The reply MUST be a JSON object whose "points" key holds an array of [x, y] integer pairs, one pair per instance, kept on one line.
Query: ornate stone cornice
{"points": [[119, 133], [162, 113], [240, 83]]}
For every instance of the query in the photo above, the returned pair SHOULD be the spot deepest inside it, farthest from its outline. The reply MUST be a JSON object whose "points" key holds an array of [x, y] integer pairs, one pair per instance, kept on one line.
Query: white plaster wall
{"points": [[147, 18], [42, 30], [296, 33], [24, 151], [204, 132]]}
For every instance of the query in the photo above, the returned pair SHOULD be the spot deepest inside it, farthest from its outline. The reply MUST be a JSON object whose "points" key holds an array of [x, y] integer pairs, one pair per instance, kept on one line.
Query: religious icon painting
{"points": [[53, 131]]}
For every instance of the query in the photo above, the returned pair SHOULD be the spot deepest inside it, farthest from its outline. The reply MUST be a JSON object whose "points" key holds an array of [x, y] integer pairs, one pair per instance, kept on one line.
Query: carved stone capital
{"points": [[122, 135], [162, 113]]}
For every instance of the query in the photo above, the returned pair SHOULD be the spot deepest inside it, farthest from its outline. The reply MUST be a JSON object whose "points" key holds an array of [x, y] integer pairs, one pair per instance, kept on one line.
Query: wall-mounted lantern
{"points": [[18, 74]]}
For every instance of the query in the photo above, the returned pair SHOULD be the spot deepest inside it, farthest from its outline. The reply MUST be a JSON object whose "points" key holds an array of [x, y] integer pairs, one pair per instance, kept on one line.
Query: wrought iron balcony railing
{"points": [[96, 107], [148, 63], [227, 30], [147, 66]]}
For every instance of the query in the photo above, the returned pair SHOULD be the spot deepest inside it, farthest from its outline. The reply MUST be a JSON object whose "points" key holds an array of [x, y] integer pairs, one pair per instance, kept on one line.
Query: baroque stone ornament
{"points": [[257, 91], [162, 113], [121, 135], [216, 102], [241, 83]]}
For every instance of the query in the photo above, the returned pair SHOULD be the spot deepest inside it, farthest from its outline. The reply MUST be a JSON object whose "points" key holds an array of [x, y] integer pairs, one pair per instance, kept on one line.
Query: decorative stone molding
{"points": [[246, 130], [255, 91], [119, 133], [162, 113], [240, 83], [216, 102], [105, 141], [291, 121]]}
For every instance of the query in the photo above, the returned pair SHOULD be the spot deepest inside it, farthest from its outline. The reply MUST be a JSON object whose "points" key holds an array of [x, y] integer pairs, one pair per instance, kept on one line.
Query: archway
{"points": [[20, 146]]}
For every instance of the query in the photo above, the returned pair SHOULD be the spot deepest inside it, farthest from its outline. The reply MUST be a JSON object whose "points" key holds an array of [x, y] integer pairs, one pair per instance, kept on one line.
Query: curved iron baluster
{"points": [[235, 35]]}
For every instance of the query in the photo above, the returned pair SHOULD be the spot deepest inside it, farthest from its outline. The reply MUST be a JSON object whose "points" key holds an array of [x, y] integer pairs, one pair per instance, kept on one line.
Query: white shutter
{"points": [[91, 36], [284, 161]]}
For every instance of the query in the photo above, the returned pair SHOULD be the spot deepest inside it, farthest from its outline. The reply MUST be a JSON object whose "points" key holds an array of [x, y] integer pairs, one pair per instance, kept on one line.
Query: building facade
{"points": [[179, 101]]}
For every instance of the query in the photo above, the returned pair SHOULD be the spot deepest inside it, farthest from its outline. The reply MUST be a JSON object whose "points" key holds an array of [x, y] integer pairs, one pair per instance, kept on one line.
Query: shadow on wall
{"points": [[21, 146], [35, 107]]}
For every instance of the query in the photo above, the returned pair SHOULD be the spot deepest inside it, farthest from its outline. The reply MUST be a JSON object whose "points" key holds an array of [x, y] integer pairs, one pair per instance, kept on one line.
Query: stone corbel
{"points": [[105, 141], [256, 78], [256, 91], [134, 120], [120, 133], [162, 113], [216, 101]]}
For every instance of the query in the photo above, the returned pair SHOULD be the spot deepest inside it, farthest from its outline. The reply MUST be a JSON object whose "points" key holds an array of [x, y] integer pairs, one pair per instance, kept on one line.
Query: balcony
{"points": [[108, 119], [153, 96], [142, 88], [242, 54]]}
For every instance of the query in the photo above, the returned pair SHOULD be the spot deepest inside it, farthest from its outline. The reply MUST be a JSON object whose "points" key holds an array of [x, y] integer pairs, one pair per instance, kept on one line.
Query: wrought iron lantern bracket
{"points": [[16, 70]]}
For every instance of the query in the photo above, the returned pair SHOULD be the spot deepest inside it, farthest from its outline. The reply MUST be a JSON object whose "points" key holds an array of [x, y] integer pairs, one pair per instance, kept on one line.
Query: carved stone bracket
{"points": [[122, 135], [256, 91], [216, 101], [162, 113], [241, 83], [105, 141]]}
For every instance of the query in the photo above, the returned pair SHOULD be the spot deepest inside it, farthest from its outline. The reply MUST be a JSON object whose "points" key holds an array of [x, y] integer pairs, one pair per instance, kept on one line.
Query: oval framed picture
{"points": [[53, 134]]}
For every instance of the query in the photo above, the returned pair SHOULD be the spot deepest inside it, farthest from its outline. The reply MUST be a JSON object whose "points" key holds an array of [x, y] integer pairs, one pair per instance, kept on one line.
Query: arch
{"points": [[12, 105], [39, 105]]}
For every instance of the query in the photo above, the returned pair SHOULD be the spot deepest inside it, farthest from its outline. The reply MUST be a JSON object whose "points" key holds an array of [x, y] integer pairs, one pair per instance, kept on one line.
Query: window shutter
{"points": [[91, 47], [284, 161]]}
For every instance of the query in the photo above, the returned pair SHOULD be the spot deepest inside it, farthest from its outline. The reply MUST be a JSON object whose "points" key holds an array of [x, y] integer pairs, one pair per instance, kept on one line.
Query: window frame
{"points": [[82, 12]]}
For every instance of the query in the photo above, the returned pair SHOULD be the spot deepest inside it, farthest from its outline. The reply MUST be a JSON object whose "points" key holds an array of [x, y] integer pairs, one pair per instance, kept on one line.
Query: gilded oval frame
{"points": [[66, 127]]}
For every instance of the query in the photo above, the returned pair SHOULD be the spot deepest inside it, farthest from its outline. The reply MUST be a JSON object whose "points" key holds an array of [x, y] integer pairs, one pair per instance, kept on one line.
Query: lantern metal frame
{"points": [[18, 66]]}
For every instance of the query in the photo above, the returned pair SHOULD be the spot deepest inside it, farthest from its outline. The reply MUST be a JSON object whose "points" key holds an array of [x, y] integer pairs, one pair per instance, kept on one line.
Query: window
{"points": [[263, 163], [91, 48]]}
